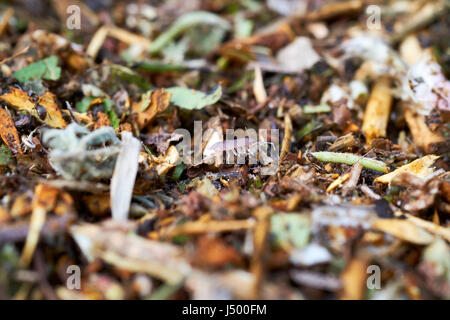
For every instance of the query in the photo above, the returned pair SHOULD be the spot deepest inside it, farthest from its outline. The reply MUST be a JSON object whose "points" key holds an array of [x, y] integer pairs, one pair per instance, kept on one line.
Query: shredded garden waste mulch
{"points": [[98, 202]]}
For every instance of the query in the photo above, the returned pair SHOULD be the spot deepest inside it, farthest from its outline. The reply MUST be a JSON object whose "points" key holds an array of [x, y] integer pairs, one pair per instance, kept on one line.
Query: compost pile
{"points": [[113, 122]]}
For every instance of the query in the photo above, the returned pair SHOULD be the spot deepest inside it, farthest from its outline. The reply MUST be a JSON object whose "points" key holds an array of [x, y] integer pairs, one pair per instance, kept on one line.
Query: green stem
{"points": [[350, 159], [317, 109]]}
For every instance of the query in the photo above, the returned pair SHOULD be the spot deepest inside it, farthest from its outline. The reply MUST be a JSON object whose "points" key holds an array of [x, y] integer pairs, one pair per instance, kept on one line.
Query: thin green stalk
{"points": [[350, 159], [316, 109], [186, 21]]}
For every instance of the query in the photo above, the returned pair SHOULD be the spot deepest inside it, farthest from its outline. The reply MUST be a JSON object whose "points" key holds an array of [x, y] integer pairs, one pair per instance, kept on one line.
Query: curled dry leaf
{"points": [[21, 101], [146, 110]]}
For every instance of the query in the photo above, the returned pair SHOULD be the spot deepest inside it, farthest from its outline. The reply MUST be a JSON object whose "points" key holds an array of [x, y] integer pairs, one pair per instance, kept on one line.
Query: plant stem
{"points": [[349, 158]]}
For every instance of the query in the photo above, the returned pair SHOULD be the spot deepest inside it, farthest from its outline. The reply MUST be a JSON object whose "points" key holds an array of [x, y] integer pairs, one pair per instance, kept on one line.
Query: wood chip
{"points": [[258, 86], [419, 167], [403, 230], [43, 201], [378, 109]]}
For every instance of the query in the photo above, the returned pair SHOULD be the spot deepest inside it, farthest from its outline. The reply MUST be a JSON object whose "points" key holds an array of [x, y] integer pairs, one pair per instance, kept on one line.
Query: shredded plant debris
{"points": [[225, 149]]}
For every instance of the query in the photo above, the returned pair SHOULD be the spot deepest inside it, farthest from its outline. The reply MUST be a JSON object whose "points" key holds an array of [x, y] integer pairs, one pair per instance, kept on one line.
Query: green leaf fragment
{"points": [[5, 155], [46, 69], [159, 66], [83, 105], [109, 110], [290, 229], [178, 171], [309, 128], [145, 100], [130, 76], [192, 99], [185, 22], [242, 26], [316, 109]]}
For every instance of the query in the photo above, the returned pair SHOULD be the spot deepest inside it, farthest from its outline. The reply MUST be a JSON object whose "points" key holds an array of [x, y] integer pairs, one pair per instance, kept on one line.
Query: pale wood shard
{"points": [[343, 142], [44, 200], [378, 107], [335, 9], [199, 227], [128, 37], [120, 34], [286, 144], [97, 42], [5, 20], [423, 137], [419, 167], [430, 226], [354, 280], [339, 181], [404, 230], [258, 86], [410, 49], [262, 215]]}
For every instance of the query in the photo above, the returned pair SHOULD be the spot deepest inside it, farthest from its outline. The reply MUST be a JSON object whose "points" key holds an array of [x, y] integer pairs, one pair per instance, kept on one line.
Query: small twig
{"points": [[19, 53], [128, 37], [351, 183], [97, 42], [198, 227], [369, 192], [262, 227]]}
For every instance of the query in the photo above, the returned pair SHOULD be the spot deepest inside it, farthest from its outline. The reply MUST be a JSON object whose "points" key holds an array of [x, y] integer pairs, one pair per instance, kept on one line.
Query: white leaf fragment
{"points": [[124, 176], [298, 55], [426, 86], [310, 255]]}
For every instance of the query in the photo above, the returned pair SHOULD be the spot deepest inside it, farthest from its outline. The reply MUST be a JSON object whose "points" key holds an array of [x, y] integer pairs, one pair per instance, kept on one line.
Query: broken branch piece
{"points": [[377, 111]]}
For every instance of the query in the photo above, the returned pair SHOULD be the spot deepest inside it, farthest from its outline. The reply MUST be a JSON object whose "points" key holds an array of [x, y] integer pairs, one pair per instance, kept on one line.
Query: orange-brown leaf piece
{"points": [[21, 101], [102, 120], [213, 252], [54, 117], [8, 132], [159, 102]]}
